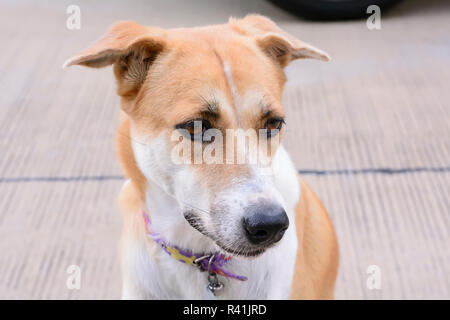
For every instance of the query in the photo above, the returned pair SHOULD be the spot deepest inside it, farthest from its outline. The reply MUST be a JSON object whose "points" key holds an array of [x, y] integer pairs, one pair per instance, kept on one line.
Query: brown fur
{"points": [[318, 255]]}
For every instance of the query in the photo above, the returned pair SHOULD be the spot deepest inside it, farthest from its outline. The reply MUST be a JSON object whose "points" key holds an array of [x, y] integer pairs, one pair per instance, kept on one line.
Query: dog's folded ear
{"points": [[130, 47], [275, 42]]}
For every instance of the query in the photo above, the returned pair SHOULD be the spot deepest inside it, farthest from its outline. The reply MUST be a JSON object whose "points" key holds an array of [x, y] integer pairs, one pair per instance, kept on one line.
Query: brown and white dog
{"points": [[226, 76]]}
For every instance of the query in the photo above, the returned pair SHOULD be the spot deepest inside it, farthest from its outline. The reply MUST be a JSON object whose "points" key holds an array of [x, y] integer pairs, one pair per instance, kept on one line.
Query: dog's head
{"points": [[205, 108]]}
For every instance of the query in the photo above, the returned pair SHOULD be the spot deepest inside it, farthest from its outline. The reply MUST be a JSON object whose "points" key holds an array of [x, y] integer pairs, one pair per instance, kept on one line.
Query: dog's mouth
{"points": [[241, 251]]}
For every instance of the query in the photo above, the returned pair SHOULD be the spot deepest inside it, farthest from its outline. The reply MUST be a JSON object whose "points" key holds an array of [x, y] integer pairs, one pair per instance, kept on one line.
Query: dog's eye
{"points": [[273, 126], [195, 128]]}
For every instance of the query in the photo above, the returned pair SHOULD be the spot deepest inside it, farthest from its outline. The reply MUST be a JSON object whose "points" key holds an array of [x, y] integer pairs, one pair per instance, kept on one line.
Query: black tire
{"points": [[332, 9]]}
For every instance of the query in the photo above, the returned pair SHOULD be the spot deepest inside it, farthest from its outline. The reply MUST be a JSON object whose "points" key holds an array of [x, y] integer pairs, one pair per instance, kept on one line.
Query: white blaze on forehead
{"points": [[251, 101], [231, 84]]}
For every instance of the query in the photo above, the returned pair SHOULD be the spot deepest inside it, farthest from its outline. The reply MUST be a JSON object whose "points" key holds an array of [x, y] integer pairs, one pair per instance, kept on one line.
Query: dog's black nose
{"points": [[265, 223]]}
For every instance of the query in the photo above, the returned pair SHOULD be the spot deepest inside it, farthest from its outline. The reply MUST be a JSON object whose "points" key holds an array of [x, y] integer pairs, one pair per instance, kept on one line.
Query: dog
{"points": [[212, 230]]}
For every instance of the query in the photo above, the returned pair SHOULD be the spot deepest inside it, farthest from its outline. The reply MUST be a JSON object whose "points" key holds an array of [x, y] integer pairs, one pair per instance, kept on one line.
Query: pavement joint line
{"points": [[385, 171], [336, 172]]}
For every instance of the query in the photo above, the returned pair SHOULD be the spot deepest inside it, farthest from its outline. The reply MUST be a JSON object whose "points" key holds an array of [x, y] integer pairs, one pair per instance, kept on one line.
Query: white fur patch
{"points": [[231, 84]]}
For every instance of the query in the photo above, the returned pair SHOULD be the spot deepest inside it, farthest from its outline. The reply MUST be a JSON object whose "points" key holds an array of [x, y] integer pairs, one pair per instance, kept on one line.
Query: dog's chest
{"points": [[161, 277]]}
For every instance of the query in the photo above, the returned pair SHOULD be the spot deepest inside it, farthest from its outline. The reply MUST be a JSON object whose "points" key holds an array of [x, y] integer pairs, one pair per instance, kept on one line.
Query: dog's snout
{"points": [[265, 224]]}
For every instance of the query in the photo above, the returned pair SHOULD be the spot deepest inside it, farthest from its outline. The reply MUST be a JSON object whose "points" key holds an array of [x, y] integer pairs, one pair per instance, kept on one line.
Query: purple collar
{"points": [[205, 262]]}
